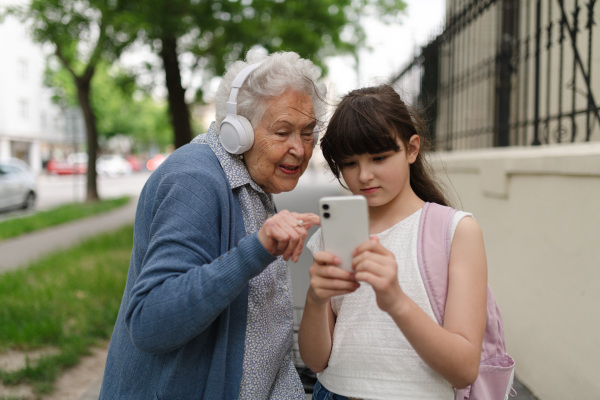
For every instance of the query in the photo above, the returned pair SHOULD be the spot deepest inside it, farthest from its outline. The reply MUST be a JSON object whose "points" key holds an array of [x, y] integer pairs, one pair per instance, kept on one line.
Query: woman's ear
{"points": [[414, 145]]}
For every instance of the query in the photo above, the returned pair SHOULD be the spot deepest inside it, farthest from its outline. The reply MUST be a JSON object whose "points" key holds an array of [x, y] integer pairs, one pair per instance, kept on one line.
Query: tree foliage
{"points": [[120, 105], [215, 32], [123, 109], [195, 37]]}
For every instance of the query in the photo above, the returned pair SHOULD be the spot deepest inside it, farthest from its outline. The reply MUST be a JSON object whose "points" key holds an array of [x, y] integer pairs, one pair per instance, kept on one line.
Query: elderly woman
{"points": [[207, 309]]}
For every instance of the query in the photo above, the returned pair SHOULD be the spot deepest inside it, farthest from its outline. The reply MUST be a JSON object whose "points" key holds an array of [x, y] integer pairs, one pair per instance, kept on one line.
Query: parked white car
{"points": [[17, 185], [113, 165]]}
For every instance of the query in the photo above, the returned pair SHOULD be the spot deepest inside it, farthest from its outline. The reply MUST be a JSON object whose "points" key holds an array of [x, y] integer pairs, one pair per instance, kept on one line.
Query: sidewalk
{"points": [[20, 251]]}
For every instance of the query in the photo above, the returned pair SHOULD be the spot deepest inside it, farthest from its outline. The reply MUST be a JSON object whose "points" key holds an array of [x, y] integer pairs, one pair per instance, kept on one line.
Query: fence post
{"points": [[428, 97], [504, 72], [536, 105]]}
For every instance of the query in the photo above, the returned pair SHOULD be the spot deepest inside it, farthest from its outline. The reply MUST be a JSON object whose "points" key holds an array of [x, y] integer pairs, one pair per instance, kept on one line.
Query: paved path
{"points": [[24, 249]]}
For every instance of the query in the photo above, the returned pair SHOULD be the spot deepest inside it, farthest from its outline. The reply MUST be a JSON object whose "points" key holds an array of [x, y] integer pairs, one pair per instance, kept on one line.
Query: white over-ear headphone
{"points": [[236, 133]]}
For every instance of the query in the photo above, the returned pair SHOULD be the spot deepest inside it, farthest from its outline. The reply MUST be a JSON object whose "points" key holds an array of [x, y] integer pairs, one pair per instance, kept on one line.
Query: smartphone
{"points": [[344, 225]]}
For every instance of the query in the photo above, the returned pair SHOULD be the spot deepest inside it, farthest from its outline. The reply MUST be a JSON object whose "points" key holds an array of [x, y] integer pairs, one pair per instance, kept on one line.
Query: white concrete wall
{"points": [[539, 209]]}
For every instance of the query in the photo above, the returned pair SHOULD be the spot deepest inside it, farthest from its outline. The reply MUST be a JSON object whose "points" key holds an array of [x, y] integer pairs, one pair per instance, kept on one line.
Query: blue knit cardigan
{"points": [[181, 327]]}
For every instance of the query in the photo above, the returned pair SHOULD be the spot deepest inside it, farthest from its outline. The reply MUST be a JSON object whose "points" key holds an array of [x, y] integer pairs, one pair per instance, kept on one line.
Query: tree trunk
{"points": [[83, 94], [178, 109]]}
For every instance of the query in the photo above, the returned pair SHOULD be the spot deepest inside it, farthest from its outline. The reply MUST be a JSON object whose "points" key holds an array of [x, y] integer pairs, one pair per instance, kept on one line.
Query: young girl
{"points": [[371, 333]]}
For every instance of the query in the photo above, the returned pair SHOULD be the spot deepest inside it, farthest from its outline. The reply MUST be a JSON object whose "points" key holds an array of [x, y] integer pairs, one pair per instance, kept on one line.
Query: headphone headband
{"points": [[238, 81]]}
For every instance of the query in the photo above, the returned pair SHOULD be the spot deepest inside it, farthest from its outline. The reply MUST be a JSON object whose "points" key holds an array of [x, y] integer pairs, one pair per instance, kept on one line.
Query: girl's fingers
{"points": [[324, 258], [371, 245], [322, 290], [387, 291], [332, 284], [326, 266], [371, 278], [374, 263], [327, 280]]}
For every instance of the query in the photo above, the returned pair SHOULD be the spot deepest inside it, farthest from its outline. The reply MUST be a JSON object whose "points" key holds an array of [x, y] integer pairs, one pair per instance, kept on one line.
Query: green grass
{"points": [[56, 216], [68, 301]]}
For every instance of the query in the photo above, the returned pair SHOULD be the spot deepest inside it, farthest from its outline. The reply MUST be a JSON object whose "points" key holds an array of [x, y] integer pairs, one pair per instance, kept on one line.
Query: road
{"points": [[60, 189], [55, 190]]}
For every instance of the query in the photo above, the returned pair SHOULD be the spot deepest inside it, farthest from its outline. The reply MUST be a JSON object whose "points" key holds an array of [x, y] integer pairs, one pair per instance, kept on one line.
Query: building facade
{"points": [[32, 128]]}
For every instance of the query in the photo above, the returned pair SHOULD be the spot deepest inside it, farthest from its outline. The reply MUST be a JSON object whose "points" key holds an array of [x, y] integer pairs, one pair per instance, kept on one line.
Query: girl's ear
{"points": [[414, 145]]}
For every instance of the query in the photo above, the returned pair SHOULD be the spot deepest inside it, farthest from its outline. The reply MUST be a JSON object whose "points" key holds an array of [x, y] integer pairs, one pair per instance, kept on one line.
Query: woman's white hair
{"points": [[278, 72]]}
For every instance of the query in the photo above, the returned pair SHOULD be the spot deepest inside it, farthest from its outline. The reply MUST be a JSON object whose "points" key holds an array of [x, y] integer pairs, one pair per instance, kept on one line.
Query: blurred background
{"points": [[95, 94]]}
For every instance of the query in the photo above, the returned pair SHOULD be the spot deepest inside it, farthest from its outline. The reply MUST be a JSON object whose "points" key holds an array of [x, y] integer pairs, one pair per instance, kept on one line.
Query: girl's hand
{"points": [[328, 280], [377, 266], [285, 232]]}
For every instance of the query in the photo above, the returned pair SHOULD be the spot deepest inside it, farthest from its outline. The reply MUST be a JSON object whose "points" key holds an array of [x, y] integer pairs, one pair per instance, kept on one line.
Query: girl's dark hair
{"points": [[369, 120]]}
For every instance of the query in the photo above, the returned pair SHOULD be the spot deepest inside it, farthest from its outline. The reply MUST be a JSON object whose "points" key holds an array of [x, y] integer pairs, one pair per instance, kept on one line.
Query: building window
{"points": [[23, 109], [23, 69]]}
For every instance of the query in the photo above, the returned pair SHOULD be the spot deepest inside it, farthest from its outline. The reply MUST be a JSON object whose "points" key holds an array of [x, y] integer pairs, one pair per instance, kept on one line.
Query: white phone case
{"points": [[344, 224]]}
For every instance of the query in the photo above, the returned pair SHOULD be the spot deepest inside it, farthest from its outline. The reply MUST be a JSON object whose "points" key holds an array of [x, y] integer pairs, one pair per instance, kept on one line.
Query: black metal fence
{"points": [[511, 73]]}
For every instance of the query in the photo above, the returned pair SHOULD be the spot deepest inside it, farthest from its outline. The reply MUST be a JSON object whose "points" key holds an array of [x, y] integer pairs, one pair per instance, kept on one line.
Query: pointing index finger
{"points": [[308, 219]]}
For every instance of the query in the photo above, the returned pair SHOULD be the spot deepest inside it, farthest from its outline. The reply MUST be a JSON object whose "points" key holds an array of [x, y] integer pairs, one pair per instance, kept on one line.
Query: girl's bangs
{"points": [[359, 136]]}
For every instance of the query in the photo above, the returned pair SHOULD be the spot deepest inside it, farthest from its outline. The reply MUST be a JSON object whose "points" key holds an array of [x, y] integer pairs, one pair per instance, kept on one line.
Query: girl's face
{"points": [[381, 178]]}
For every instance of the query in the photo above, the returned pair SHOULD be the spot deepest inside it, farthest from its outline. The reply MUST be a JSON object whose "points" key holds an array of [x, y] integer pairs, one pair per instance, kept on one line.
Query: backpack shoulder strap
{"points": [[433, 254]]}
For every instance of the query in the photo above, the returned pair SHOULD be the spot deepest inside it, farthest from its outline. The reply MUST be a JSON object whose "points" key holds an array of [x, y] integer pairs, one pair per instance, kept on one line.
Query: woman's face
{"points": [[283, 142]]}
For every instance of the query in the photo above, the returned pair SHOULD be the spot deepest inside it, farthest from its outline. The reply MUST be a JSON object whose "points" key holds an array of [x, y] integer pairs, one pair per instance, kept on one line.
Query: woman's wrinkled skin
{"points": [[283, 142]]}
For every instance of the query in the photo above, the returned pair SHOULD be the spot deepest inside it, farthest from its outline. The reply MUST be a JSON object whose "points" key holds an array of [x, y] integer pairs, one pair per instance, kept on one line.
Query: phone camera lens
{"points": [[325, 206], [326, 215]]}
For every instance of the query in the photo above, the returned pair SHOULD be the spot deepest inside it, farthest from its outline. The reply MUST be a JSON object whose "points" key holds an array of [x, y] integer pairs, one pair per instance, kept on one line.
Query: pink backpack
{"points": [[496, 369]]}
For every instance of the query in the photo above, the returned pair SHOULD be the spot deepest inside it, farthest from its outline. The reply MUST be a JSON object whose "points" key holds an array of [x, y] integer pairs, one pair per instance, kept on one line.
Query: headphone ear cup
{"points": [[236, 134], [247, 134]]}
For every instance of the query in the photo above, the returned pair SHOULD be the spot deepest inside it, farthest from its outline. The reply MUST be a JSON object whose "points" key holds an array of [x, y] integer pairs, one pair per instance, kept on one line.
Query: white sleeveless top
{"points": [[371, 358]]}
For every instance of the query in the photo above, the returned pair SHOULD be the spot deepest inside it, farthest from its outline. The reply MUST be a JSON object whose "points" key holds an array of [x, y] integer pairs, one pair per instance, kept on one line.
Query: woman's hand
{"points": [[328, 280], [377, 266], [285, 232]]}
